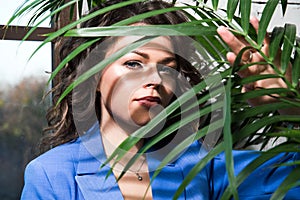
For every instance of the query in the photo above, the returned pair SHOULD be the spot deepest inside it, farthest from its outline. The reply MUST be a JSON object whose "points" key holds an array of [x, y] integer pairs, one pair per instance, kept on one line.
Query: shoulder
{"points": [[262, 181], [192, 155], [52, 173], [62, 159], [65, 154]]}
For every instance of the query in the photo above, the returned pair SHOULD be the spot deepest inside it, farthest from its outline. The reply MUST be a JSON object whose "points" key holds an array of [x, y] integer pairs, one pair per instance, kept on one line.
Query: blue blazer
{"points": [[72, 171]]}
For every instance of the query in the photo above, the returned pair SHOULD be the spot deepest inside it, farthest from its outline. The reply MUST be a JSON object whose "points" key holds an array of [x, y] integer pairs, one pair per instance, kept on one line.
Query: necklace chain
{"points": [[137, 172]]}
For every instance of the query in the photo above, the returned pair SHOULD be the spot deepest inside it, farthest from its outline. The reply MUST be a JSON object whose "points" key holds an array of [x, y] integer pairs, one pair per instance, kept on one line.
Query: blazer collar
{"points": [[92, 180]]}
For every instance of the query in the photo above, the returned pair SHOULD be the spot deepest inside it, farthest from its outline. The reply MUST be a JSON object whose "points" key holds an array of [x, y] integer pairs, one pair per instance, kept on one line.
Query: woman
{"points": [[89, 124]]}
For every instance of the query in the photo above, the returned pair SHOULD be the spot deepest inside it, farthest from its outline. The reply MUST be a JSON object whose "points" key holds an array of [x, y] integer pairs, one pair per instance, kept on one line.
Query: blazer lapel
{"points": [[95, 183], [92, 180], [168, 180]]}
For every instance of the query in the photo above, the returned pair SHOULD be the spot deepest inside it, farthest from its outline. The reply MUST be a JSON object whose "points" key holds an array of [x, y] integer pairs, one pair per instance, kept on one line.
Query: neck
{"points": [[113, 135]]}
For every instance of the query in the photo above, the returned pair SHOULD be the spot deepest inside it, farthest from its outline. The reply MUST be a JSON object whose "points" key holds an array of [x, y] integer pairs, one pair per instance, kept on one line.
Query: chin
{"points": [[142, 122], [141, 116]]}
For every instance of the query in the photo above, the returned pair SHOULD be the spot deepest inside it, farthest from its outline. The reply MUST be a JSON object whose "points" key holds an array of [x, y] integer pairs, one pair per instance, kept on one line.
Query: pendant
{"points": [[140, 178]]}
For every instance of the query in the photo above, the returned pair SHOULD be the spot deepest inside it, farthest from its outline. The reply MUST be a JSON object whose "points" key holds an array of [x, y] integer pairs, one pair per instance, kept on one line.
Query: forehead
{"points": [[162, 43]]}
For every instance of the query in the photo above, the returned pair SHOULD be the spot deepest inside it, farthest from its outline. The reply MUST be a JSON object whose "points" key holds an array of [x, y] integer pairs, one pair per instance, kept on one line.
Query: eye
{"points": [[167, 70], [133, 65]]}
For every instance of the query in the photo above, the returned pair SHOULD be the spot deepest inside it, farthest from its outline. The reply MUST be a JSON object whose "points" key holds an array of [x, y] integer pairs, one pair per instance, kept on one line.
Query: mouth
{"points": [[149, 101]]}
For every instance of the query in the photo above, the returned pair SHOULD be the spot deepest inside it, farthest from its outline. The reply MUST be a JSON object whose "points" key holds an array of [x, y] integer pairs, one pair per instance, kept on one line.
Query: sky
{"points": [[14, 65]]}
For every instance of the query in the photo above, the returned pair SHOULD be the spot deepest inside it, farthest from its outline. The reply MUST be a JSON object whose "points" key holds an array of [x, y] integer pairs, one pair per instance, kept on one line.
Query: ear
{"points": [[98, 86], [98, 89]]}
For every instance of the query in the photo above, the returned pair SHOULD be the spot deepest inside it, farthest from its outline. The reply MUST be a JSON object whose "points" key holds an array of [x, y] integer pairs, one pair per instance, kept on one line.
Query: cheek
{"points": [[107, 86], [125, 87], [168, 92], [122, 93], [109, 78]]}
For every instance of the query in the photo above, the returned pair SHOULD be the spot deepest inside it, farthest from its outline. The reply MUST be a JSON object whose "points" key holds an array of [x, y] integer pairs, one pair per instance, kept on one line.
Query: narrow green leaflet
{"points": [[54, 12], [254, 111], [215, 4], [247, 130], [289, 133], [296, 67], [288, 45], [260, 92], [266, 16], [254, 78], [209, 47], [207, 13], [292, 180], [228, 140], [42, 9], [158, 30], [72, 55], [284, 6], [276, 41], [203, 100], [231, 8], [245, 8], [210, 44], [22, 9]]}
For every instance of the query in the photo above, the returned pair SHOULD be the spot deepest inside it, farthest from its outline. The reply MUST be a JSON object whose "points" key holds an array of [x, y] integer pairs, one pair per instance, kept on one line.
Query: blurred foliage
{"points": [[22, 118]]}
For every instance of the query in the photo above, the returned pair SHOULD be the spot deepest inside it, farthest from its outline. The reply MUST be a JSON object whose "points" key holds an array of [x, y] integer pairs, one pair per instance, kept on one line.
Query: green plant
{"points": [[241, 123]]}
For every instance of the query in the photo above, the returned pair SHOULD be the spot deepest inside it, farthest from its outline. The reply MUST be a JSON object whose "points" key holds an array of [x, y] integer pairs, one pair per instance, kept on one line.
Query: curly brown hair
{"points": [[61, 126]]}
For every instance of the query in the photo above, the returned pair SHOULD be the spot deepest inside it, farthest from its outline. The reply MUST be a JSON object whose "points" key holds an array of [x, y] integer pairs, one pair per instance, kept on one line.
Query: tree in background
{"points": [[22, 119]]}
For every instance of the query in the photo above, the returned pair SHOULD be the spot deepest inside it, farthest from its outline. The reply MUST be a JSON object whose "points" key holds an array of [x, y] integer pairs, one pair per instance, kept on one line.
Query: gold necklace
{"points": [[139, 177]]}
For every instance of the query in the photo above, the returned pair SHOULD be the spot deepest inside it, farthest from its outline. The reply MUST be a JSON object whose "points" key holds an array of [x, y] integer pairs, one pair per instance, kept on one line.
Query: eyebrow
{"points": [[146, 56]]}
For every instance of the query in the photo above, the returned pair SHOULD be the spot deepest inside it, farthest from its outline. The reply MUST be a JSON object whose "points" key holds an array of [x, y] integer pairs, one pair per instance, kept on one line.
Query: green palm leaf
{"points": [[265, 20], [292, 180], [228, 141], [276, 41], [72, 55], [288, 45], [296, 67], [245, 8], [158, 30], [231, 8]]}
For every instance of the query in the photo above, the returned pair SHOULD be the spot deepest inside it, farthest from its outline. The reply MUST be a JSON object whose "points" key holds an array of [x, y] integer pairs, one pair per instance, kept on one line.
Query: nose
{"points": [[153, 79]]}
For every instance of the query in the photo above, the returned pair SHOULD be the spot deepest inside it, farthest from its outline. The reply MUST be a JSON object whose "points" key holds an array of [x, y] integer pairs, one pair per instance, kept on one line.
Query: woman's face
{"points": [[140, 84]]}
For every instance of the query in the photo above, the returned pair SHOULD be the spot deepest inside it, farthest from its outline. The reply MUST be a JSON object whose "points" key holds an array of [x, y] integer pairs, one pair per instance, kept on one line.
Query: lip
{"points": [[149, 101]]}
